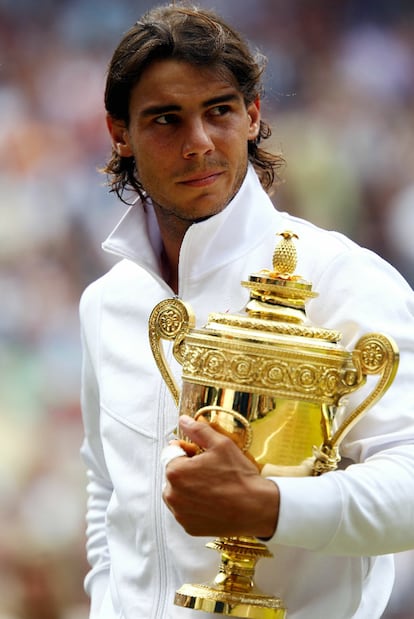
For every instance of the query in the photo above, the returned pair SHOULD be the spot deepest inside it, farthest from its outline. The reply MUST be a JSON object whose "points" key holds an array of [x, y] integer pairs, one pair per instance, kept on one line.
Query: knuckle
{"points": [[172, 473]]}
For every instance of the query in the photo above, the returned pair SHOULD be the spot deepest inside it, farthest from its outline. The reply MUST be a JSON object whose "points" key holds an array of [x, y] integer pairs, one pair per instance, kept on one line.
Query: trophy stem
{"points": [[233, 592]]}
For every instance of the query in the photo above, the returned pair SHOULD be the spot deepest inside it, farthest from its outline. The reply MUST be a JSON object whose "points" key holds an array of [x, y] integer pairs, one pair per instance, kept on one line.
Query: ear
{"points": [[120, 136], [253, 112]]}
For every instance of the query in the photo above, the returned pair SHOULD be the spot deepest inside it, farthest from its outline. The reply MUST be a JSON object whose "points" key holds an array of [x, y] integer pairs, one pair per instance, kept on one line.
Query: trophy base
{"points": [[230, 603]]}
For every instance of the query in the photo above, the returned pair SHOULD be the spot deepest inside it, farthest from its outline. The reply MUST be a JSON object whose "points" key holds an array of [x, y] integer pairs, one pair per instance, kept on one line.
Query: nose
{"points": [[197, 140]]}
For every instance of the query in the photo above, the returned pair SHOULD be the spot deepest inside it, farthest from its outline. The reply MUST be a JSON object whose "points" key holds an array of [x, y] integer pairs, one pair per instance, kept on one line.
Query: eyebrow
{"points": [[159, 110]]}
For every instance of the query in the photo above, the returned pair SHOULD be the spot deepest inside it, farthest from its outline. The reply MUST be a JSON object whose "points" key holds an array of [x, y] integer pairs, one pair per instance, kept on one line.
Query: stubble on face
{"points": [[189, 216], [206, 203]]}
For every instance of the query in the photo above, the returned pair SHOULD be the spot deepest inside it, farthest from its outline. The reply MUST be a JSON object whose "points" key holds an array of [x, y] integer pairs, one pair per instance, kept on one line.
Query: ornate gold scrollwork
{"points": [[171, 319], [373, 354]]}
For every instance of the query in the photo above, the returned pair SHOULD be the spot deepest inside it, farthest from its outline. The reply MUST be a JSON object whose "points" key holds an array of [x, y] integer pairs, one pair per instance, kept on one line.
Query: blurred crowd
{"points": [[340, 96]]}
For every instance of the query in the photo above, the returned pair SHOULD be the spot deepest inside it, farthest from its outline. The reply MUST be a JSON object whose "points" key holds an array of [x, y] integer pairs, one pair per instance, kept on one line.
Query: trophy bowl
{"points": [[274, 384]]}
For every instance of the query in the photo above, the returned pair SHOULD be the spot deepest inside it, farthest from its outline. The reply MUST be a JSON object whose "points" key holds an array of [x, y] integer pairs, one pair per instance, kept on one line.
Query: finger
{"points": [[199, 432], [191, 449]]}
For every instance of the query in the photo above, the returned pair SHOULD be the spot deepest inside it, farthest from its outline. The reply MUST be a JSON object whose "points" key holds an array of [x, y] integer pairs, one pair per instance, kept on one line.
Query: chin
{"points": [[198, 220]]}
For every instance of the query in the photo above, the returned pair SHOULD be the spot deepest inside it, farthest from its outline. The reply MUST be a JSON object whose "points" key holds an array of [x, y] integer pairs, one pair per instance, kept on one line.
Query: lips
{"points": [[202, 179]]}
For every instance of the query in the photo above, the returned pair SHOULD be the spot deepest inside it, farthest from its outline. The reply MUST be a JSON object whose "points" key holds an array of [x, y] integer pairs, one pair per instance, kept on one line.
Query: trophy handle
{"points": [[170, 319], [231, 427], [374, 353]]}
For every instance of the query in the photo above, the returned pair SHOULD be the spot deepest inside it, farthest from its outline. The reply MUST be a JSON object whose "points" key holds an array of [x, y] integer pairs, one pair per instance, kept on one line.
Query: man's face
{"points": [[188, 132]]}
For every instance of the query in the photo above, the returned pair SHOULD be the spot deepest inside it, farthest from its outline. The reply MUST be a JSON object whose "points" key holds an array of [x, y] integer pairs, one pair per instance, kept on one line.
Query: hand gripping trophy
{"points": [[275, 384]]}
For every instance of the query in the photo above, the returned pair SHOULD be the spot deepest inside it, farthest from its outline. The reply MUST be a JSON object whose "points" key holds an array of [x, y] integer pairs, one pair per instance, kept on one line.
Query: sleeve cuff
{"points": [[310, 511]]}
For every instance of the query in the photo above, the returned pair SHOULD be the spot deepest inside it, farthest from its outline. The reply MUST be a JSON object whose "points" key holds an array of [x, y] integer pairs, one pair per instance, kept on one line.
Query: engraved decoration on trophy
{"points": [[275, 384]]}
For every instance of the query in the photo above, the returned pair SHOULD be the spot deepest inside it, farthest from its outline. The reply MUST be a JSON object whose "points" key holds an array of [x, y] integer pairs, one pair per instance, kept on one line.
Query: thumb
{"points": [[199, 432]]}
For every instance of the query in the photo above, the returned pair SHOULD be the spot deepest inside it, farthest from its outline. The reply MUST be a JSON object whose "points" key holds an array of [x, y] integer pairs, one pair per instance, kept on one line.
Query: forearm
{"points": [[352, 512]]}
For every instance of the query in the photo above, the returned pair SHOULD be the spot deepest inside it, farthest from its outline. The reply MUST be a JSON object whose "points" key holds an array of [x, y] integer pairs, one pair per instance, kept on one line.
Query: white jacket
{"points": [[334, 531]]}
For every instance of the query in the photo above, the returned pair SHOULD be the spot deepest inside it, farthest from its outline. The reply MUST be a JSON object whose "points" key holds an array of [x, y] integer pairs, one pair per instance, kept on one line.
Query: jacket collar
{"points": [[207, 244], [136, 236]]}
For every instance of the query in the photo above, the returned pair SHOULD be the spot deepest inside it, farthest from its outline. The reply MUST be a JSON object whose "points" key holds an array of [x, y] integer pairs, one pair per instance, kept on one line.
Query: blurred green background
{"points": [[340, 96]]}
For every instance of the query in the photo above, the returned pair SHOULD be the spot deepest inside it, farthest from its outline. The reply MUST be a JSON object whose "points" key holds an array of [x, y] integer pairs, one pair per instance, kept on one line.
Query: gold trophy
{"points": [[275, 384]]}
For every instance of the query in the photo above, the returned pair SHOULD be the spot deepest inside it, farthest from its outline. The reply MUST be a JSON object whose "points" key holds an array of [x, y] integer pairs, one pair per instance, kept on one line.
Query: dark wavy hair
{"points": [[196, 36]]}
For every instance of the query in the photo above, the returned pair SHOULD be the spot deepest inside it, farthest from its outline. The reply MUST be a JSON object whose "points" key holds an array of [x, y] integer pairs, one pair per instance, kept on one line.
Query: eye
{"points": [[219, 110], [166, 119]]}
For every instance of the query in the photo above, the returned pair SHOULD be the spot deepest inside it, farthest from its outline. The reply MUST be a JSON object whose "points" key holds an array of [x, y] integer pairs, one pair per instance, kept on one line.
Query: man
{"points": [[183, 110]]}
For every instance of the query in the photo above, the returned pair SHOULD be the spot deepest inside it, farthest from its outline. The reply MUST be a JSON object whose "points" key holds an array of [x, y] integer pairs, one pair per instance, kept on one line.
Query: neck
{"points": [[169, 266], [172, 234]]}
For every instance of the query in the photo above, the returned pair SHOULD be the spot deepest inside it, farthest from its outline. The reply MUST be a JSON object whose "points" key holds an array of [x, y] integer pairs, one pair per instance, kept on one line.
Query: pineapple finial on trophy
{"points": [[285, 255], [280, 293]]}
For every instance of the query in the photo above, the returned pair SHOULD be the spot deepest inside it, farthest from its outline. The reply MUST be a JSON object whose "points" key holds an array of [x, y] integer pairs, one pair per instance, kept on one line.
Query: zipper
{"points": [[160, 607]]}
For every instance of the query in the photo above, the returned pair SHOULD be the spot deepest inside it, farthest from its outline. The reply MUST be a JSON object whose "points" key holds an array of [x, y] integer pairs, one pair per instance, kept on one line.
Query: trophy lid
{"points": [[277, 299]]}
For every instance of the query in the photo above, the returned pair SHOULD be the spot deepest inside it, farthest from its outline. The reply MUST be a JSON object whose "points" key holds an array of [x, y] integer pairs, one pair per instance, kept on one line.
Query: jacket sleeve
{"points": [[99, 486], [368, 508]]}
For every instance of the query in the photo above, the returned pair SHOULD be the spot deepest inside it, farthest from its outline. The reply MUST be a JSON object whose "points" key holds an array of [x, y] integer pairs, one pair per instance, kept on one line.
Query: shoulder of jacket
{"points": [[313, 234], [92, 294], [317, 247]]}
